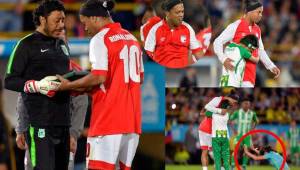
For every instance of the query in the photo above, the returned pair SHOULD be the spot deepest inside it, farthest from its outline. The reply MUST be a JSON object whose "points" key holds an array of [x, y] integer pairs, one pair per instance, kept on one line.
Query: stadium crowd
{"points": [[272, 105]]}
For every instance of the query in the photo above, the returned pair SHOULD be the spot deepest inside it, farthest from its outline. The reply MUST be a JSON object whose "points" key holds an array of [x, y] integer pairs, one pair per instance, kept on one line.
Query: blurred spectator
{"points": [[281, 115], [189, 79], [73, 26], [181, 156], [11, 20], [271, 105], [190, 142]]}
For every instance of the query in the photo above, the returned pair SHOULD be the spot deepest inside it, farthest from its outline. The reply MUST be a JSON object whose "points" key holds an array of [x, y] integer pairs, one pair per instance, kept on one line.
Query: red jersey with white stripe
{"points": [[243, 29], [204, 37], [147, 26], [205, 125], [116, 106], [212, 106], [233, 33], [171, 47]]}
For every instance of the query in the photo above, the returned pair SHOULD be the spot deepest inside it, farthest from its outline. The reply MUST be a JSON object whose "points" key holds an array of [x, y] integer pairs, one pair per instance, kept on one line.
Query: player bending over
{"points": [[269, 154]]}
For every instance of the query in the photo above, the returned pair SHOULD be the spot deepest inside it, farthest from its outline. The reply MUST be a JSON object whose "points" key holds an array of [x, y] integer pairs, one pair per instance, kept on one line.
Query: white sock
{"points": [[222, 168], [204, 168]]}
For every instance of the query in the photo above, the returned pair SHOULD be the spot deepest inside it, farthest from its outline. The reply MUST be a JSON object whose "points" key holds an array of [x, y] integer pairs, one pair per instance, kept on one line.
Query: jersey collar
{"points": [[111, 25]]}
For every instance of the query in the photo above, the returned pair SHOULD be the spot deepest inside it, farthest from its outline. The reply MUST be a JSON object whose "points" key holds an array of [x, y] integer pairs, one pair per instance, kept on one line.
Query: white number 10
{"points": [[131, 62]]}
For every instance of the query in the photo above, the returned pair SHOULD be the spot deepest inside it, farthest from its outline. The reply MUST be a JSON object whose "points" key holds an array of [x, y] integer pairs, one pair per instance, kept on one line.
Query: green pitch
{"points": [[198, 167]]}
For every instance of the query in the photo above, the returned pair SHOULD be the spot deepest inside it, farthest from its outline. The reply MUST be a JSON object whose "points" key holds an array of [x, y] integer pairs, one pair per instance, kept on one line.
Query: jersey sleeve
{"points": [[267, 156], [255, 118], [234, 115], [150, 42], [18, 60], [212, 105], [208, 113], [263, 56], [226, 36], [245, 53], [99, 54], [195, 45], [142, 33]]}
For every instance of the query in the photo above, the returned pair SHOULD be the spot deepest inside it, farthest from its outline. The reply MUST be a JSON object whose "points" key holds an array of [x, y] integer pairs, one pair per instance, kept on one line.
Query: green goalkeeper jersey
{"points": [[244, 120], [293, 135]]}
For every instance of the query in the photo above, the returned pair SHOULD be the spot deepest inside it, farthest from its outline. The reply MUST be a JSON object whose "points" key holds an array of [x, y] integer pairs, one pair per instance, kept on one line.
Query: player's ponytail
{"points": [[100, 8], [108, 5]]}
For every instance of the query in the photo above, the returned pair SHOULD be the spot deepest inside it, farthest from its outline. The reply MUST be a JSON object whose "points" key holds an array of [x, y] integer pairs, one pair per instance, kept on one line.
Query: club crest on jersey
{"points": [[162, 39], [65, 50], [41, 133], [183, 38]]}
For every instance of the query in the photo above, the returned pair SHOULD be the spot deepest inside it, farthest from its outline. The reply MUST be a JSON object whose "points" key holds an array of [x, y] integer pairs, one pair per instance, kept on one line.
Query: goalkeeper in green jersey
{"points": [[245, 119], [220, 134], [294, 140]]}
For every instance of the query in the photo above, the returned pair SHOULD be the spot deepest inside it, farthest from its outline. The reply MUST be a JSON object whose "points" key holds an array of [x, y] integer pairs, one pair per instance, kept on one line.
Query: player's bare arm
{"points": [[199, 54], [86, 82], [255, 157], [228, 64], [276, 72]]}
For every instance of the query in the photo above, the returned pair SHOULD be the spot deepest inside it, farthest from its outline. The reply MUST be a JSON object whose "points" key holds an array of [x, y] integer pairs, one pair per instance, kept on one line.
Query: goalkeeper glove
{"points": [[47, 86]]}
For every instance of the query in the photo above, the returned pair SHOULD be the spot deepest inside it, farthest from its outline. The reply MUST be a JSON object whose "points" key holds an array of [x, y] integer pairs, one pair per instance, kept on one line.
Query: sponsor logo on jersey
{"points": [[41, 133], [183, 38], [162, 39]]}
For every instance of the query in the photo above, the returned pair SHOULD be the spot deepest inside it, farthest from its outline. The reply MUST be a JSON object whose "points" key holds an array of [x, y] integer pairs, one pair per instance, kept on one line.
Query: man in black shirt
{"points": [[36, 56]]}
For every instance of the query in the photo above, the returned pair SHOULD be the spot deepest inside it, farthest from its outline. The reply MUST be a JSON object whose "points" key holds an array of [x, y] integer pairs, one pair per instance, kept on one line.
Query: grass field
{"points": [[198, 167]]}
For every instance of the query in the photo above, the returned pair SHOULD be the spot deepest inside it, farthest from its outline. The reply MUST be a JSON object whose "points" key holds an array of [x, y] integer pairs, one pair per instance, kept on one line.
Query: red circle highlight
{"points": [[251, 132]]}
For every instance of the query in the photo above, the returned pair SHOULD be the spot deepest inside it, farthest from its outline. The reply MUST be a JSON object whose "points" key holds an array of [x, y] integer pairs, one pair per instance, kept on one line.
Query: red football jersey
{"points": [[204, 37], [206, 123], [171, 47], [144, 31], [243, 29], [116, 105]]}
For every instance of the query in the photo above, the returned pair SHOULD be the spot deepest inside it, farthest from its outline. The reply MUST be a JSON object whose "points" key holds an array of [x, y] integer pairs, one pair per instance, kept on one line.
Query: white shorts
{"points": [[247, 84], [110, 151], [205, 140]]}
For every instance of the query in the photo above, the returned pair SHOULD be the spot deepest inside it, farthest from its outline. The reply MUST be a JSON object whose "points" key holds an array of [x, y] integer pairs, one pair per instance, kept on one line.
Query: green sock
{"points": [[245, 161]]}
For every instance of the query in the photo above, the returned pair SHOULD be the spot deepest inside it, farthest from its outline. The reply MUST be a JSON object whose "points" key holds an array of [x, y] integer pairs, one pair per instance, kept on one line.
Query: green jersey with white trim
{"points": [[237, 54], [293, 135], [244, 120]]}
